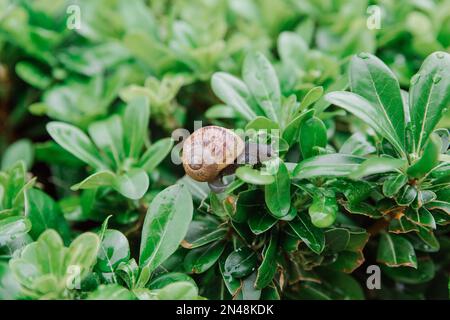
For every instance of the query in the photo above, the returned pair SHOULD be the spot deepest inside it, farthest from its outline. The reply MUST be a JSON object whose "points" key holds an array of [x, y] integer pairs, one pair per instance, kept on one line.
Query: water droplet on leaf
{"points": [[415, 78], [437, 78], [363, 55]]}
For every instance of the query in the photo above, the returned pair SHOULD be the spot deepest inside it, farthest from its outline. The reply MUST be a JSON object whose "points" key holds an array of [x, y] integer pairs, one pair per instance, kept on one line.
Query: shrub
{"points": [[91, 206]]}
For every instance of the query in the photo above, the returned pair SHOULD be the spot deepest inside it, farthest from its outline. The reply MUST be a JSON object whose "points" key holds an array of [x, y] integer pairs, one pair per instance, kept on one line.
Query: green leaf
{"points": [[378, 165], [170, 210], [311, 97], [312, 236], [168, 278], [98, 179], [111, 292], [292, 49], [19, 150], [368, 113], [348, 261], [268, 267], [253, 176], [155, 154], [135, 125], [429, 158], [332, 165], [421, 217], [182, 290], [220, 111], [429, 95], [203, 230], [12, 228], [153, 53], [425, 272], [9, 287], [133, 184], [393, 184], [407, 195], [341, 286], [260, 221], [262, 81], [44, 214], [426, 240], [83, 251], [313, 134], [340, 84], [374, 81], [76, 142], [114, 249], [240, 263], [248, 290], [262, 123], [248, 202], [128, 271], [278, 193], [200, 259], [33, 75], [232, 284], [45, 266], [357, 145], [234, 93], [394, 251], [291, 132], [323, 210], [108, 137]]}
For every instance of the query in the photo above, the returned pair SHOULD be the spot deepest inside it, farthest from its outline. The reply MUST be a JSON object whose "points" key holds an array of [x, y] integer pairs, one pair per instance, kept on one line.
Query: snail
{"points": [[212, 152]]}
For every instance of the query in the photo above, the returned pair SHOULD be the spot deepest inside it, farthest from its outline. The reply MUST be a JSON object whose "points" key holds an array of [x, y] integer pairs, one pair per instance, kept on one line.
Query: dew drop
{"points": [[437, 78], [363, 55], [415, 78]]}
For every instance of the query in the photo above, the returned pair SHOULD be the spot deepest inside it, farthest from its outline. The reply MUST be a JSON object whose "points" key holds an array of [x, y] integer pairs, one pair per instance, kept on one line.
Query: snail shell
{"points": [[209, 150]]}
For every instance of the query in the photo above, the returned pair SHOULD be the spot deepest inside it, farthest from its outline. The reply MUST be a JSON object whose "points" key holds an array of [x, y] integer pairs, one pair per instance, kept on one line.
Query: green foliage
{"points": [[91, 206]]}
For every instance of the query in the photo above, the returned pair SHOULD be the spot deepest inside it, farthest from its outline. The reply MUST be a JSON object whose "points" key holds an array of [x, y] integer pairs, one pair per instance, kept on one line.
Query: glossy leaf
{"points": [[155, 154], [234, 93], [240, 262], [133, 184], [364, 110], [200, 259], [376, 166], [429, 96], [171, 208], [135, 126], [268, 267], [76, 142], [262, 81], [312, 236], [253, 176], [44, 214], [394, 251], [313, 135], [98, 179], [373, 80], [332, 165], [278, 193], [260, 222], [114, 249]]}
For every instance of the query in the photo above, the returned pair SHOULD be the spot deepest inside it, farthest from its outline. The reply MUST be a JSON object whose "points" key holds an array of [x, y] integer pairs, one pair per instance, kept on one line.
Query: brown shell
{"points": [[208, 150]]}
